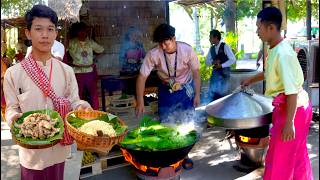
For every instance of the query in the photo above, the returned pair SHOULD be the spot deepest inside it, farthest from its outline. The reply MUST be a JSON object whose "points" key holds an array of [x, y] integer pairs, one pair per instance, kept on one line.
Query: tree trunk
{"points": [[211, 19], [197, 33], [229, 16], [216, 22]]}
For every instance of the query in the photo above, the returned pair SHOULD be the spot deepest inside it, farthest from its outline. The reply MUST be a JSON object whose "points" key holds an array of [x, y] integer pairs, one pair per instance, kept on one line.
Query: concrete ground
{"points": [[213, 159]]}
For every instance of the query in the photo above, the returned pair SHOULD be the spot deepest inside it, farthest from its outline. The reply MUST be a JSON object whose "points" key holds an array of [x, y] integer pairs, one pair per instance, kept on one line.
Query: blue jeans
{"points": [[219, 86]]}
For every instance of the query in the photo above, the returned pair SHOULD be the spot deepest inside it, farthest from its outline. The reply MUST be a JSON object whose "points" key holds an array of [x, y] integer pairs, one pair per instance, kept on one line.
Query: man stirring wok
{"points": [[177, 66]]}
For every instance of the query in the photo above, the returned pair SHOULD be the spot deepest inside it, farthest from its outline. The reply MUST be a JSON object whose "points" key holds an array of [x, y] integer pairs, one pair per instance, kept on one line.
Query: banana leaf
{"points": [[29, 140], [157, 137]]}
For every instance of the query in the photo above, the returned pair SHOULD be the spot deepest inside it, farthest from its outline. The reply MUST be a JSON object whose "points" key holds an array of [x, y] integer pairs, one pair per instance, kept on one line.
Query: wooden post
{"points": [[308, 19], [65, 40], [264, 47]]}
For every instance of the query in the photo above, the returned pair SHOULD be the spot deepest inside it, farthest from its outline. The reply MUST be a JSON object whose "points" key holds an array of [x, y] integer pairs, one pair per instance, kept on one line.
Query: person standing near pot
{"points": [[292, 114], [177, 66], [221, 57]]}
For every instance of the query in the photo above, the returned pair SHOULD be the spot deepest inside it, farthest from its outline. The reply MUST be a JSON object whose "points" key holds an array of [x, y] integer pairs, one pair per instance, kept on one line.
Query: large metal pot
{"points": [[240, 110]]}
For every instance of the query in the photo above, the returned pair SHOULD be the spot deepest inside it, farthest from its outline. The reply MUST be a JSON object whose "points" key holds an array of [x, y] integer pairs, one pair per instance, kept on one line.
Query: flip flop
{"points": [[187, 164]]}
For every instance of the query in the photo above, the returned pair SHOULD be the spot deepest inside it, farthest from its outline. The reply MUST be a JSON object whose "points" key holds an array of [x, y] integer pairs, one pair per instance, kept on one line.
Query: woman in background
{"points": [[132, 51], [81, 50]]}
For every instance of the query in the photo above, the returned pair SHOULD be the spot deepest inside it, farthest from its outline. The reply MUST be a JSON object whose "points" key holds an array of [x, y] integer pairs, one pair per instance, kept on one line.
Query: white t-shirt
{"points": [[57, 50]]}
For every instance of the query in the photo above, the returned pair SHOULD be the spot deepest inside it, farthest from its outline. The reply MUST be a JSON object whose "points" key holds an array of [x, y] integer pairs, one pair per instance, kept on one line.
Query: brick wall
{"points": [[110, 21]]}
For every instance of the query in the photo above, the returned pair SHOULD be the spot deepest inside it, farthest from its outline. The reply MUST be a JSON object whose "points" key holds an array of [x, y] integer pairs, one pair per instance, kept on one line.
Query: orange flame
{"points": [[144, 168], [128, 157], [177, 164]]}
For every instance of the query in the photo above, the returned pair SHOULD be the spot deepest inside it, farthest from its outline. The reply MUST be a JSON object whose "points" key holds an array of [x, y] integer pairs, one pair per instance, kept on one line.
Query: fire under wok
{"points": [[162, 158], [158, 145]]}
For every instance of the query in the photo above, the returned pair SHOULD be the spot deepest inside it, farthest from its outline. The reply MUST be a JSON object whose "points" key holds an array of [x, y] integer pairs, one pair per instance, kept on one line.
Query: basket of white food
{"points": [[95, 130]]}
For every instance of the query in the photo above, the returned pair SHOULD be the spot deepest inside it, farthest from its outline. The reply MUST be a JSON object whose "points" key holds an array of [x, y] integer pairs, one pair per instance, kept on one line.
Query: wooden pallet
{"points": [[103, 163]]}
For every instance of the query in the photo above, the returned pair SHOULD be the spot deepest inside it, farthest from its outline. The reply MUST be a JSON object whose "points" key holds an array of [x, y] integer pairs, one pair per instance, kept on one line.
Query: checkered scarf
{"points": [[61, 104]]}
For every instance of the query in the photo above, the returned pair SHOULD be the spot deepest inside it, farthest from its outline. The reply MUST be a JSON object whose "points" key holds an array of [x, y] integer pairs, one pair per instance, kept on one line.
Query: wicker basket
{"points": [[89, 142]]}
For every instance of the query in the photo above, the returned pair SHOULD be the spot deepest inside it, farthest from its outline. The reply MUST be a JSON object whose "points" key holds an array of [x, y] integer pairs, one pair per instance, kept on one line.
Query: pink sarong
{"points": [[288, 160]]}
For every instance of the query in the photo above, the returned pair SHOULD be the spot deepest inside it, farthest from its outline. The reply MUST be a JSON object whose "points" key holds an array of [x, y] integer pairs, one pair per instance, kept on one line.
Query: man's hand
{"points": [[140, 87], [15, 118], [139, 109], [252, 79], [217, 66], [84, 108], [245, 82], [288, 132], [196, 101]]}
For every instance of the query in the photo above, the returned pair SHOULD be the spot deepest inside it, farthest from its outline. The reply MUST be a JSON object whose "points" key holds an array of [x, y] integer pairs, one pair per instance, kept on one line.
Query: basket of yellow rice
{"points": [[95, 130]]}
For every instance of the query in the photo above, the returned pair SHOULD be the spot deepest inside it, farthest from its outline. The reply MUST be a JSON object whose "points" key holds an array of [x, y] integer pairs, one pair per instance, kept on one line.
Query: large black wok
{"points": [[159, 158]]}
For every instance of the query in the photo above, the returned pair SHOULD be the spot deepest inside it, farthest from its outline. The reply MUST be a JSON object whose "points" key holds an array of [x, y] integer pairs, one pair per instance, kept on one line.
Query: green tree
{"points": [[248, 8], [205, 26], [229, 16], [196, 26], [297, 9], [14, 8]]}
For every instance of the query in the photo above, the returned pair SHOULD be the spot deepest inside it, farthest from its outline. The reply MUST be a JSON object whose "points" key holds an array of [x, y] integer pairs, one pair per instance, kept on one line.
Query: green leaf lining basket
{"points": [[28, 142]]}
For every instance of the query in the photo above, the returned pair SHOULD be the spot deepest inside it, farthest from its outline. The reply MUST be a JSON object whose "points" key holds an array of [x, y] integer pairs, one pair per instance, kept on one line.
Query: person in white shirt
{"points": [[29, 86], [221, 58], [57, 50]]}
